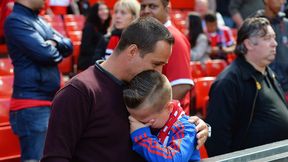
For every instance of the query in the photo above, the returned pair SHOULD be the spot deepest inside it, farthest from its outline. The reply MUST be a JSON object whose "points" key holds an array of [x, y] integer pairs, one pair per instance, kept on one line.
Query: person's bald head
{"points": [[201, 7], [35, 5]]}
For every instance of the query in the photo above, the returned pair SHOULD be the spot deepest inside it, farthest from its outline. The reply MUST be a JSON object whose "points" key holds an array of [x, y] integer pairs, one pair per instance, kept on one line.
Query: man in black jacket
{"points": [[279, 23], [247, 107]]}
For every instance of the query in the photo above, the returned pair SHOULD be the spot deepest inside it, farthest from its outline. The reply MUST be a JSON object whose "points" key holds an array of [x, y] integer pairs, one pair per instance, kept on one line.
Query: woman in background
{"points": [[96, 26], [125, 11], [197, 38]]}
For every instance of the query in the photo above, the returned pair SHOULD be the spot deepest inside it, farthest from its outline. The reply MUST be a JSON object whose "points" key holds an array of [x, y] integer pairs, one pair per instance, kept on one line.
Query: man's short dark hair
{"points": [[165, 2], [144, 32], [148, 85], [254, 26]]}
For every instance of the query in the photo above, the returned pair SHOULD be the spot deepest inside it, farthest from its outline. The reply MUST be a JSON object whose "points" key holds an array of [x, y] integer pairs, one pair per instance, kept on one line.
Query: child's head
{"points": [[211, 22], [148, 98]]}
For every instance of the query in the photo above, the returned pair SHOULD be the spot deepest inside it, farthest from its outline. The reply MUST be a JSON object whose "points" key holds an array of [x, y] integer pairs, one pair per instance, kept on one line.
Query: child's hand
{"points": [[135, 124]]}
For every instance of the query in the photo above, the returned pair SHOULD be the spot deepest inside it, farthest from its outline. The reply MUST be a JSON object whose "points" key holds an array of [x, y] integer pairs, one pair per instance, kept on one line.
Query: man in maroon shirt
{"points": [[89, 120]]}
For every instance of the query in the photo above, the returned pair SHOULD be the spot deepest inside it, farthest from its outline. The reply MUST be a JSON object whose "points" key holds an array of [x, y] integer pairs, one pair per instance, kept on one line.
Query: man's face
{"points": [[263, 52], [274, 5], [151, 61], [154, 8]]}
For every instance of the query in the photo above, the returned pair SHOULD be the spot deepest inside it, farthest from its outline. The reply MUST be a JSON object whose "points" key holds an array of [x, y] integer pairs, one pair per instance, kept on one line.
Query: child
{"points": [[220, 37], [148, 99]]}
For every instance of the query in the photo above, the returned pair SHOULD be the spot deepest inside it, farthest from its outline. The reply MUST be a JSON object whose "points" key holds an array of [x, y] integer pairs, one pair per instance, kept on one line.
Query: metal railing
{"points": [[276, 152]]}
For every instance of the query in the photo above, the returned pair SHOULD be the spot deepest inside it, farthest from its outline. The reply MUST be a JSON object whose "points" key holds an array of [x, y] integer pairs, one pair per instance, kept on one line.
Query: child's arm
{"points": [[180, 147]]}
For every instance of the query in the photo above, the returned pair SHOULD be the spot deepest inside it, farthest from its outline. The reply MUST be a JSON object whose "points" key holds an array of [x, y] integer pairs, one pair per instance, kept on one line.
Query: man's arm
{"points": [[67, 122], [234, 11], [31, 41], [179, 91], [221, 115]]}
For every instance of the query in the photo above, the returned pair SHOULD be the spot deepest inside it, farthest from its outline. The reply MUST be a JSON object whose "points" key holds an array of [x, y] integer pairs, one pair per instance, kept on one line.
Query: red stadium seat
{"points": [[197, 70], [66, 66], [74, 18], [3, 49], [6, 67], [214, 67], [76, 51], [6, 84], [202, 88], [9, 145], [73, 26], [75, 36], [4, 111], [231, 57]]}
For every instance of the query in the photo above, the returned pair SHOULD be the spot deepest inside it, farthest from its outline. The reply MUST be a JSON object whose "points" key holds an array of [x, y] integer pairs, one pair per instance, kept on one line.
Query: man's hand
{"points": [[135, 124], [201, 128]]}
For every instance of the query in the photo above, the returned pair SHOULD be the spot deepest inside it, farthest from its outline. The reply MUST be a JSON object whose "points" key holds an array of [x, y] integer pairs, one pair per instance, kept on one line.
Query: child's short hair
{"points": [[210, 17], [150, 87]]}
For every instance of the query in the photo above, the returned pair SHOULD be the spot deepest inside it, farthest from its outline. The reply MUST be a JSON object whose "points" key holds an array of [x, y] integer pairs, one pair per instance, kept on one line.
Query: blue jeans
{"points": [[30, 125]]}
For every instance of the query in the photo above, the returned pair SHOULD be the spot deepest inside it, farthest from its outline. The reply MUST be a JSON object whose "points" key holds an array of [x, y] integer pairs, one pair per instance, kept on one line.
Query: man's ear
{"points": [[132, 50], [249, 44]]}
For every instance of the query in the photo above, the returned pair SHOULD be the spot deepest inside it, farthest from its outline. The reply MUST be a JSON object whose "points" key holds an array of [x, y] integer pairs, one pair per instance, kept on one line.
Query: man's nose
{"points": [[145, 10]]}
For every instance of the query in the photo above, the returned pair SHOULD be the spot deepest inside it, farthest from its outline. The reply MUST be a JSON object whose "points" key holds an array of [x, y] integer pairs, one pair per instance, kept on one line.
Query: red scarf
{"points": [[176, 113]]}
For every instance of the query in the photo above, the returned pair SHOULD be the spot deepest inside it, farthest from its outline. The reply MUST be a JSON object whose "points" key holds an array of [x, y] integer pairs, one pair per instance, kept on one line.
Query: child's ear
{"points": [[151, 122]]}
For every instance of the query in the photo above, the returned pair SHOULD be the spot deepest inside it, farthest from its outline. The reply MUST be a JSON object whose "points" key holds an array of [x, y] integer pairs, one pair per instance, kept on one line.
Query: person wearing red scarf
{"points": [[149, 101]]}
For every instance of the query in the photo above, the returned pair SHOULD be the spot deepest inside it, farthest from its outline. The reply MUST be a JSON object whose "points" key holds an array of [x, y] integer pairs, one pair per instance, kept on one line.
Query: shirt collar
{"points": [[99, 67], [168, 23], [248, 71]]}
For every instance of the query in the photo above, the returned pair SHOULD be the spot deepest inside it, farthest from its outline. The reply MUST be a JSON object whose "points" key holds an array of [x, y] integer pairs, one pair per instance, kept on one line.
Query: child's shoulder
{"points": [[183, 123]]}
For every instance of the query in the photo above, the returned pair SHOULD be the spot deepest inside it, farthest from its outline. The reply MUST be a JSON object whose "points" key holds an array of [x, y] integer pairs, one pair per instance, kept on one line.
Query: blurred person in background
{"points": [[96, 26], [279, 23], [36, 50], [60, 7], [197, 39], [6, 7], [202, 7], [221, 39], [223, 9], [125, 11], [241, 9]]}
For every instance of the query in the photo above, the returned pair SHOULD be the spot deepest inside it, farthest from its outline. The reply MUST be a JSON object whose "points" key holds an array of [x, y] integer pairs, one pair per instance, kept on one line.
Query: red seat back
{"points": [[4, 111], [9, 144], [214, 67], [197, 69], [6, 67], [202, 88], [6, 84]]}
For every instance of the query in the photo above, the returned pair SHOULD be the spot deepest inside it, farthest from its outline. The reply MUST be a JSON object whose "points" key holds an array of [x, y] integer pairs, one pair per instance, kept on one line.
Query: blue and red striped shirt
{"points": [[181, 144]]}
